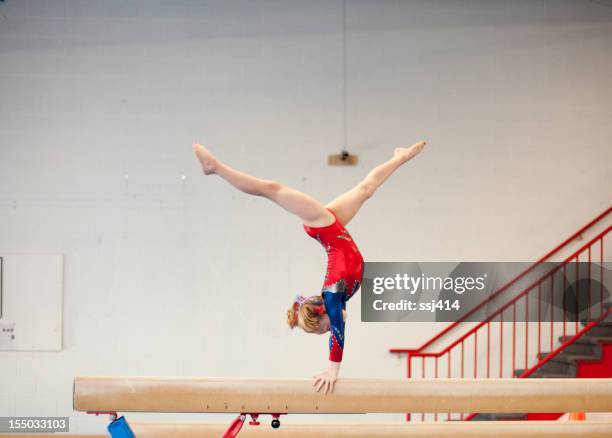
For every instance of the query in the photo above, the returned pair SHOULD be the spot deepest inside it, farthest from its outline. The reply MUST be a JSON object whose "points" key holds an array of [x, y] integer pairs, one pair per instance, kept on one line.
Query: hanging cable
{"points": [[344, 85]]}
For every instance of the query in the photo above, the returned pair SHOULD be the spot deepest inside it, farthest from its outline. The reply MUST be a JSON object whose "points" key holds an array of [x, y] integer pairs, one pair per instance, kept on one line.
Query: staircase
{"points": [[504, 345], [591, 348], [587, 356]]}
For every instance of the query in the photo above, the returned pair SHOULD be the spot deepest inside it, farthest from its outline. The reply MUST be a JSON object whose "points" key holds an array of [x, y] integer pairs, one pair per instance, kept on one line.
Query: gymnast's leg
{"points": [[308, 209], [348, 204]]}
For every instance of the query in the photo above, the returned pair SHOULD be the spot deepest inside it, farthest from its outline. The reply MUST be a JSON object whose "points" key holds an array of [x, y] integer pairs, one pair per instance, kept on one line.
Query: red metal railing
{"points": [[476, 354]]}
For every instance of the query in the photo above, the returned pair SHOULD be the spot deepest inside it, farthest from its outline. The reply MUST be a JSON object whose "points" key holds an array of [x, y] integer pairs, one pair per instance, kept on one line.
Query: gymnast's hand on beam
{"points": [[326, 379]]}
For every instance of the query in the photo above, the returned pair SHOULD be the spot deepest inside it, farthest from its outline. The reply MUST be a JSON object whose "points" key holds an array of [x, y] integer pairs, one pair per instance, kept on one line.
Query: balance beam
{"points": [[265, 396], [476, 429], [483, 429]]}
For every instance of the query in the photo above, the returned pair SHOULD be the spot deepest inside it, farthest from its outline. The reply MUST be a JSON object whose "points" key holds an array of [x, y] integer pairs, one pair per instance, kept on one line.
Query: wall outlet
{"points": [[7, 334]]}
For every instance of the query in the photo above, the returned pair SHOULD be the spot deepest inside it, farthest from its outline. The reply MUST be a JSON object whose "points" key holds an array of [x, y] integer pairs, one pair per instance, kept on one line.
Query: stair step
{"points": [[606, 322], [577, 356], [579, 349], [542, 355], [593, 335], [600, 331], [572, 355], [566, 368], [584, 339], [497, 417], [587, 338], [596, 313], [544, 374], [602, 338]]}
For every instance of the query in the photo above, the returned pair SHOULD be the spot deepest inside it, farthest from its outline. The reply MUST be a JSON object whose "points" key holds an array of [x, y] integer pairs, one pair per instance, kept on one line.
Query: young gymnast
{"points": [[325, 312]]}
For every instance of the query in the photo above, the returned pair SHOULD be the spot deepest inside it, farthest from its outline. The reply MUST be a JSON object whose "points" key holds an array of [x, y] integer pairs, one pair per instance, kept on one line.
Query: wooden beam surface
{"points": [[473, 429], [498, 429], [220, 395]]}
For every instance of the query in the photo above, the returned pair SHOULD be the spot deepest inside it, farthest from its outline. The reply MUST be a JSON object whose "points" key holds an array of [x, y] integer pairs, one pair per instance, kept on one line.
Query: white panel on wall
{"points": [[32, 289], [0, 287]]}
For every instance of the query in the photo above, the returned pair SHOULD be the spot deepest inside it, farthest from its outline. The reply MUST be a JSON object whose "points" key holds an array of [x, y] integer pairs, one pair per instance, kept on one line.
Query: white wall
{"points": [[165, 276]]}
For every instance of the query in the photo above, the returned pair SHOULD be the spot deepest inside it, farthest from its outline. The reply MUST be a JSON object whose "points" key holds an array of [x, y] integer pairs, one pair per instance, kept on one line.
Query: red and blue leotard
{"points": [[342, 280]]}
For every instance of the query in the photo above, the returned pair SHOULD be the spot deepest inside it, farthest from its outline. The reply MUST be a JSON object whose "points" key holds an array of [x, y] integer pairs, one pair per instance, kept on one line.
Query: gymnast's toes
{"points": [[408, 153], [207, 160]]}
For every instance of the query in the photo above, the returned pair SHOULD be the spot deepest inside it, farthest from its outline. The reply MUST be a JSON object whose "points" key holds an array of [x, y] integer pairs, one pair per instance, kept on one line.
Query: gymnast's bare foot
{"points": [[207, 161], [408, 153]]}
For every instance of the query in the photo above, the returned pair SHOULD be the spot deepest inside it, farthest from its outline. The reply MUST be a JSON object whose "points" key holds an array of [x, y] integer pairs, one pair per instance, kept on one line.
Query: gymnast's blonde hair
{"points": [[308, 311]]}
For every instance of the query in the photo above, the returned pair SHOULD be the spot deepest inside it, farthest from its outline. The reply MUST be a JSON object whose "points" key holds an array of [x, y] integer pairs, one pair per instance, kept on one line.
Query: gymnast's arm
{"points": [[334, 304]]}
